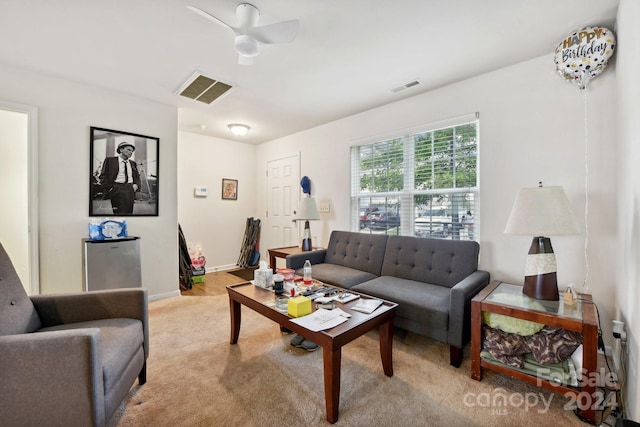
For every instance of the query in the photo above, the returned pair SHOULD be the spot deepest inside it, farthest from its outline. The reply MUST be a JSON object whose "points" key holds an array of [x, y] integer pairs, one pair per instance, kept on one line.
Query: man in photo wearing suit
{"points": [[120, 179]]}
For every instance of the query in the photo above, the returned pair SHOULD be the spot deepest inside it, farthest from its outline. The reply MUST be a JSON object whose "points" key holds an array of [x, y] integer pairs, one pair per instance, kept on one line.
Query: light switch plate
{"points": [[324, 207]]}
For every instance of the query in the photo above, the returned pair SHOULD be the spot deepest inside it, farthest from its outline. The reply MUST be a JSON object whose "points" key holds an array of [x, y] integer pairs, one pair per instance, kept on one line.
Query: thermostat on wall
{"points": [[200, 191]]}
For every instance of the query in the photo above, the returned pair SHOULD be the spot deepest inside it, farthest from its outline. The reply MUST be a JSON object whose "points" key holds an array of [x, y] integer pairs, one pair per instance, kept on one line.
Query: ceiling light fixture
{"points": [[247, 45], [239, 129]]}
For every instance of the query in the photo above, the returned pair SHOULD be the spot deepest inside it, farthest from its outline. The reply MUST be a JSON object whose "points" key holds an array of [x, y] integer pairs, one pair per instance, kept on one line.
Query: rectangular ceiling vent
{"points": [[406, 86], [203, 88]]}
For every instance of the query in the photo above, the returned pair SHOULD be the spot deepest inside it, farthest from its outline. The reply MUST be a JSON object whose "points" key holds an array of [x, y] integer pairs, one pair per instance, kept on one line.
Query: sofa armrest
{"points": [[54, 375], [460, 306], [296, 261], [62, 309]]}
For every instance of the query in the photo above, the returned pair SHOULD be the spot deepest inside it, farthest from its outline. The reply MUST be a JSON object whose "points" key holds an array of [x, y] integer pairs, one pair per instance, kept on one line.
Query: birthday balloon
{"points": [[584, 54]]}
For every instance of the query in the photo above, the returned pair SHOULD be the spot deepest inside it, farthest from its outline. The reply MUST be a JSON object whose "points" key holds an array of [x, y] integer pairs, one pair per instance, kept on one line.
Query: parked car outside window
{"points": [[433, 223], [383, 220]]}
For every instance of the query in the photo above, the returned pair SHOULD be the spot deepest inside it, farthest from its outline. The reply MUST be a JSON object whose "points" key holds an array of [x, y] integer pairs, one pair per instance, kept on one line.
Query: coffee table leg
{"points": [[234, 309], [332, 360], [386, 347]]}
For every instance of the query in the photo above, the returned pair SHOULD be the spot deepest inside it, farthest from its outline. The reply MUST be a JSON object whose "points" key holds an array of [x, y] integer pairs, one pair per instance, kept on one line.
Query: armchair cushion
{"points": [[119, 341], [129, 303]]}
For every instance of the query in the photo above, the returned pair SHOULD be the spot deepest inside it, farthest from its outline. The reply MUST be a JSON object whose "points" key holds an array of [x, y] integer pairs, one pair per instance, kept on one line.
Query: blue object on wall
{"points": [[305, 183]]}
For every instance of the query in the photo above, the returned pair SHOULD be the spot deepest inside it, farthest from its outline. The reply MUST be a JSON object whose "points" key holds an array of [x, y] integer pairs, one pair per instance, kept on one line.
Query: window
{"points": [[422, 183]]}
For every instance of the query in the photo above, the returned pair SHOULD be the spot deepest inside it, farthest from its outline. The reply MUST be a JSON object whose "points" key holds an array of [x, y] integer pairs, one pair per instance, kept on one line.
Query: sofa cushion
{"points": [[437, 261], [17, 313], [339, 275], [423, 302], [356, 250], [119, 341]]}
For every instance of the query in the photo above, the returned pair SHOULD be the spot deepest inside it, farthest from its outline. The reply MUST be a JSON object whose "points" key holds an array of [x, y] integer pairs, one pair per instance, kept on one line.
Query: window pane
{"points": [[381, 167], [445, 216], [379, 215]]}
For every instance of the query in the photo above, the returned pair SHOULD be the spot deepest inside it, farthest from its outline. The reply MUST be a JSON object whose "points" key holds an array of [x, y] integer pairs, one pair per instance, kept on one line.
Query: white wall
{"points": [[66, 111], [216, 225], [532, 128], [627, 271]]}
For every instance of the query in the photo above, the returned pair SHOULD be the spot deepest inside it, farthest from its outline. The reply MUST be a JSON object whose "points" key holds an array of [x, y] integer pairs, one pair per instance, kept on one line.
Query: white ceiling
{"points": [[347, 57]]}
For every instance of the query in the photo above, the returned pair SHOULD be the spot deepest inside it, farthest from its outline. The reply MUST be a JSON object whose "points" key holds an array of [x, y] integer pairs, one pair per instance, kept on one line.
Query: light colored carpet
{"points": [[196, 378]]}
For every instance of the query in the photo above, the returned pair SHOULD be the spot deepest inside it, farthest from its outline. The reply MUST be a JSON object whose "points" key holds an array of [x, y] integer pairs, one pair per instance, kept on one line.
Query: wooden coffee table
{"points": [[331, 340]]}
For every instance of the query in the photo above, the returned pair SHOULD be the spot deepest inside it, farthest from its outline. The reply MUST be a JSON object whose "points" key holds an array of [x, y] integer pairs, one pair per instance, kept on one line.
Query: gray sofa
{"points": [[68, 360], [432, 280]]}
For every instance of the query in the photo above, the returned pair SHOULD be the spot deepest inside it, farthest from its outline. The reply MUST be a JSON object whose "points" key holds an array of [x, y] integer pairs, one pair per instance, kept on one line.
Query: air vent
{"points": [[406, 86], [203, 88]]}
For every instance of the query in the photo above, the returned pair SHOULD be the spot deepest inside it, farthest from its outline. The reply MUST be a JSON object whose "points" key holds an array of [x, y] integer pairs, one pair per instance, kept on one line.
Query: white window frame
{"points": [[465, 228]]}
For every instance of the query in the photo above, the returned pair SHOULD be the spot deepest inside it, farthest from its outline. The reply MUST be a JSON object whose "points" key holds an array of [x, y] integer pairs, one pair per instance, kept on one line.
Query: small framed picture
{"points": [[124, 173], [229, 189]]}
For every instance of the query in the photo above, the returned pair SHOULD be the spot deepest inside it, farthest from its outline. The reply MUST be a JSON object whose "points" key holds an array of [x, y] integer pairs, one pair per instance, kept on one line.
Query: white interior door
{"points": [[283, 180]]}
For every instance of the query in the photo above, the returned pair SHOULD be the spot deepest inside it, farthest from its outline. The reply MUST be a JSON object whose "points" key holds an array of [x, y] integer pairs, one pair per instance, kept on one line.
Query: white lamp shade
{"points": [[307, 209], [541, 211]]}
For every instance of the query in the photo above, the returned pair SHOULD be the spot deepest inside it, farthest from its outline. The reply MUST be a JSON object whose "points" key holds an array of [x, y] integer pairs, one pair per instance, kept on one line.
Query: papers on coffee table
{"points": [[367, 306], [321, 319]]}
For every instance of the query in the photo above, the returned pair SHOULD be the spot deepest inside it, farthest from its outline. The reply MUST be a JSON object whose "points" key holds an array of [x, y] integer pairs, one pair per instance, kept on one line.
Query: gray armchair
{"points": [[71, 359]]}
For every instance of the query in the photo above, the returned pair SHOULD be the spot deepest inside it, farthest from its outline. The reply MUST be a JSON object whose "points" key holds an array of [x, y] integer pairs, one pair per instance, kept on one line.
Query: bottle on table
{"points": [[307, 273]]}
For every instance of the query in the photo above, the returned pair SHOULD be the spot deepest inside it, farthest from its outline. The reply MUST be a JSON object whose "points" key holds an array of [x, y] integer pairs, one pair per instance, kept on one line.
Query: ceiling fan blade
{"points": [[245, 60], [280, 32], [212, 18]]}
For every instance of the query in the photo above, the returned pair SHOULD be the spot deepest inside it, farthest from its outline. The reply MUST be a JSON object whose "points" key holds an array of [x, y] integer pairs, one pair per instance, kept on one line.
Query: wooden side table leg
{"points": [[476, 340], [332, 359], [588, 394], [234, 310]]}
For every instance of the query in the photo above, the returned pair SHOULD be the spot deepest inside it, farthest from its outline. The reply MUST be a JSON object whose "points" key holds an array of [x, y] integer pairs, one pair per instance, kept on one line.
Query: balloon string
{"points": [[585, 286]]}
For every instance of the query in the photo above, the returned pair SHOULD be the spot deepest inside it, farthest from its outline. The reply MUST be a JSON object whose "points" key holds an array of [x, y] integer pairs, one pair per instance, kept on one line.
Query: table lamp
{"points": [[307, 210], [540, 212]]}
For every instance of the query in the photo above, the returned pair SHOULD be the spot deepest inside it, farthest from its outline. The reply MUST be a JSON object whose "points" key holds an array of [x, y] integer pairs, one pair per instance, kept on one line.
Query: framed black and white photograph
{"points": [[124, 172], [229, 189]]}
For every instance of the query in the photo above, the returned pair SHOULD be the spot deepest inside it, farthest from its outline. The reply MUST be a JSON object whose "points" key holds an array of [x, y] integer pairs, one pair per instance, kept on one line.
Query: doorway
{"points": [[18, 187], [283, 177]]}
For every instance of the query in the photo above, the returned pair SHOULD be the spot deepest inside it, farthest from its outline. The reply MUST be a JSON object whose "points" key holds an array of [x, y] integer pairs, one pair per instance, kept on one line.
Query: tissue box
{"points": [[299, 306], [107, 228], [263, 278]]}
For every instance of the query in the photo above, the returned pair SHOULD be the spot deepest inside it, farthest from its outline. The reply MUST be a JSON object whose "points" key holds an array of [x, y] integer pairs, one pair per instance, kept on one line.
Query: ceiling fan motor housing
{"points": [[247, 15]]}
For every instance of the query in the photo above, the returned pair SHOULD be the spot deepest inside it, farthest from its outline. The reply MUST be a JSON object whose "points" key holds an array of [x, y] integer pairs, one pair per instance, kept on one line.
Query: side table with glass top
{"points": [[581, 317]]}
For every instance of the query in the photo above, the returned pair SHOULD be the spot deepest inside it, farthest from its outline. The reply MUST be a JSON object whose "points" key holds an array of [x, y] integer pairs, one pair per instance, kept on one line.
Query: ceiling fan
{"points": [[248, 35]]}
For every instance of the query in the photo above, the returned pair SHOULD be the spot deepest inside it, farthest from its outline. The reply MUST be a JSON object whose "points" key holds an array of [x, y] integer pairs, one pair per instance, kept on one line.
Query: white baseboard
{"points": [[171, 294], [221, 268]]}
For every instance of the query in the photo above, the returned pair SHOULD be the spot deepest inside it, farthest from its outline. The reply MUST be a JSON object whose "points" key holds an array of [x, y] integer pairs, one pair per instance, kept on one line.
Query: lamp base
{"points": [[542, 286], [540, 280], [306, 238]]}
